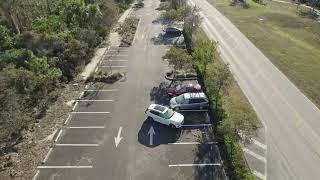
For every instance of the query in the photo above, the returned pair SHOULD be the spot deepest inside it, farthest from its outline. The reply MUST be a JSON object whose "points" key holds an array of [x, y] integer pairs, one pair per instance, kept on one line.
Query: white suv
{"points": [[164, 115]]}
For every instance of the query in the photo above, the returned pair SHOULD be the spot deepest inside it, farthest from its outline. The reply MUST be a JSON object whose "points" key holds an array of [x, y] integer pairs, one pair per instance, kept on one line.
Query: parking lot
{"points": [[107, 135]]}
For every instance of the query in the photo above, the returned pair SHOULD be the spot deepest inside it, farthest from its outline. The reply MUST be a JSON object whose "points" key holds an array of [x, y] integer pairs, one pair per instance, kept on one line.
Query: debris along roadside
{"points": [[127, 31]]}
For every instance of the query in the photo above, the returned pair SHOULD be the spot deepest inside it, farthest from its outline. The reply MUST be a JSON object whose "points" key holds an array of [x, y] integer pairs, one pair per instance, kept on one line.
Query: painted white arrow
{"points": [[118, 138], [151, 133]]}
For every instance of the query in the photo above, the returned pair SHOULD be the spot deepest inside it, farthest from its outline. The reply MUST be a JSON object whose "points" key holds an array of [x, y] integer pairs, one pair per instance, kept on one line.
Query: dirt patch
{"points": [[21, 159], [127, 30]]}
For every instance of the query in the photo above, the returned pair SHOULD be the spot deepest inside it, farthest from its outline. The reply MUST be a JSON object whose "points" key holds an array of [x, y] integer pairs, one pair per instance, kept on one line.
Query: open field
{"points": [[291, 42]]}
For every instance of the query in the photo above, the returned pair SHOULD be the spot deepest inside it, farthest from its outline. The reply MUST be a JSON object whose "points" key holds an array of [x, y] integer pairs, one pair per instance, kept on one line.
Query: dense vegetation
{"points": [[43, 44]]}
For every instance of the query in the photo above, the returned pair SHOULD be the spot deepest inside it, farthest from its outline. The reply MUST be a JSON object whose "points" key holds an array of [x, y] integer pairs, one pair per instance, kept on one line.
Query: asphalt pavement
{"points": [[290, 119], [106, 113]]}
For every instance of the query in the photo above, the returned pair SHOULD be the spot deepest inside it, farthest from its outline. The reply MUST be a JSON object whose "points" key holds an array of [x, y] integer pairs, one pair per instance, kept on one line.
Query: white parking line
{"points": [[67, 120], [189, 165], [58, 136], [81, 95], [197, 125], [257, 156], [263, 146], [194, 143], [47, 156], [112, 66], [74, 106], [86, 127], [36, 175], [77, 144], [90, 112], [200, 110], [117, 55], [98, 100], [102, 90], [259, 175], [63, 167]]}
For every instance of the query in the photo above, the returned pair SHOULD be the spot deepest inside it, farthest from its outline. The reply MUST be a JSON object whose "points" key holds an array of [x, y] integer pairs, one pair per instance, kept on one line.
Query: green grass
{"points": [[290, 41]]}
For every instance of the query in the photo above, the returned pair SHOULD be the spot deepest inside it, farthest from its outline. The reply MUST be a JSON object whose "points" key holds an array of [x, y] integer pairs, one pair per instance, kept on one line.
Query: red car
{"points": [[176, 90]]}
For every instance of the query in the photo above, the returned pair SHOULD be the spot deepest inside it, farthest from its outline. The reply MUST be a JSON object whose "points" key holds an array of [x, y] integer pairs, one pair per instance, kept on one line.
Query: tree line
{"points": [[44, 43]]}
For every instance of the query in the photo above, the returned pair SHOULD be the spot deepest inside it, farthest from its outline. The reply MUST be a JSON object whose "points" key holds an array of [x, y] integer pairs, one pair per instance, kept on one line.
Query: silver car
{"points": [[190, 101]]}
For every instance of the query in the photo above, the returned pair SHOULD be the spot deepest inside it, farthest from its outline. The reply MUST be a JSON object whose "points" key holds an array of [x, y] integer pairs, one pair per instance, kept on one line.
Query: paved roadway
{"points": [[85, 148], [292, 121]]}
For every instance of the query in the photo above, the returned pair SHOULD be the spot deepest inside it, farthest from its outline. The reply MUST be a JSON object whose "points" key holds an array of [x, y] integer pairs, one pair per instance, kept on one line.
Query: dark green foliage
{"points": [[187, 34], [41, 44]]}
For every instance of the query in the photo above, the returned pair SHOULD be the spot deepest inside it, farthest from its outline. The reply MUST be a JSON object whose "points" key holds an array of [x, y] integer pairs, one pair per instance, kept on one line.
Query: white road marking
{"points": [[74, 106], [81, 95], [197, 125], [93, 100], [259, 175], [77, 144], [102, 90], [96, 70], [257, 156], [201, 110], [47, 156], [63, 167], [36, 175], [87, 86], [90, 112], [112, 66], [263, 146], [124, 55], [194, 143], [67, 120], [189, 165], [58, 136], [86, 127], [118, 138]]}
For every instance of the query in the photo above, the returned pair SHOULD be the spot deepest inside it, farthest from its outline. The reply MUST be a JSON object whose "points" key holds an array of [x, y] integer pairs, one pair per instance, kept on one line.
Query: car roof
{"points": [[188, 84], [194, 95], [158, 108]]}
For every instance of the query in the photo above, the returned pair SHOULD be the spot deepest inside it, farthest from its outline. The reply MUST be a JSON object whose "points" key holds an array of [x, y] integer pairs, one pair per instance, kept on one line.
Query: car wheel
{"points": [[172, 126]]}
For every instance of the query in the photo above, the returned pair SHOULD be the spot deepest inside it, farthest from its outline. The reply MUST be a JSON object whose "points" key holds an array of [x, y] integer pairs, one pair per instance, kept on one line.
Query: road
{"points": [[291, 120], [106, 136]]}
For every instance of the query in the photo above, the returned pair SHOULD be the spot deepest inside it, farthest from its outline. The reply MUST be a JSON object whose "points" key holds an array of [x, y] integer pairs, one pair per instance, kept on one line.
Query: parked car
{"points": [[176, 90], [173, 31], [164, 115], [190, 101]]}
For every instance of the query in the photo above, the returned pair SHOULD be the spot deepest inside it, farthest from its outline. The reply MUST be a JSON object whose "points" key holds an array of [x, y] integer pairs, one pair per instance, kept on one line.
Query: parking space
{"points": [[101, 105], [78, 120], [100, 95], [82, 135]]}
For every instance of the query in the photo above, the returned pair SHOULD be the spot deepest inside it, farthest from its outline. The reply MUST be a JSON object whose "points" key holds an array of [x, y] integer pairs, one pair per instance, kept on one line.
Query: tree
{"points": [[192, 18], [178, 59], [217, 80], [204, 52]]}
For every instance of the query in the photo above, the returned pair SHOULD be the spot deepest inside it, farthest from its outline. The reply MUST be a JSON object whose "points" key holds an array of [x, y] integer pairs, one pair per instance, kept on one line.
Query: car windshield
{"points": [[168, 114], [180, 99]]}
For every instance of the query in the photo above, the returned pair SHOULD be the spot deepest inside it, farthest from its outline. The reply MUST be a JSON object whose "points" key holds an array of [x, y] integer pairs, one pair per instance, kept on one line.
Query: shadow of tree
{"points": [[163, 134], [159, 94]]}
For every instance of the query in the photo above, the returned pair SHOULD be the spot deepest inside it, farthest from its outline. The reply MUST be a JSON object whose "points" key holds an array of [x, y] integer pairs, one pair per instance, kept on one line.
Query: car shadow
{"points": [[163, 134], [165, 39], [159, 94]]}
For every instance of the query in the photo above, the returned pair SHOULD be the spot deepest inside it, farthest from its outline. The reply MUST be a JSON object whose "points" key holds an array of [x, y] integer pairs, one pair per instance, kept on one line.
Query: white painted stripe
{"points": [[188, 165], [81, 95], [197, 125], [86, 127], [97, 100], [263, 146], [194, 143], [64, 167], [90, 112], [77, 144], [103, 90], [117, 60], [87, 86], [112, 66], [74, 106], [67, 120], [36, 175], [257, 156], [96, 70], [58, 136], [117, 55], [47, 156], [259, 175], [200, 110]]}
